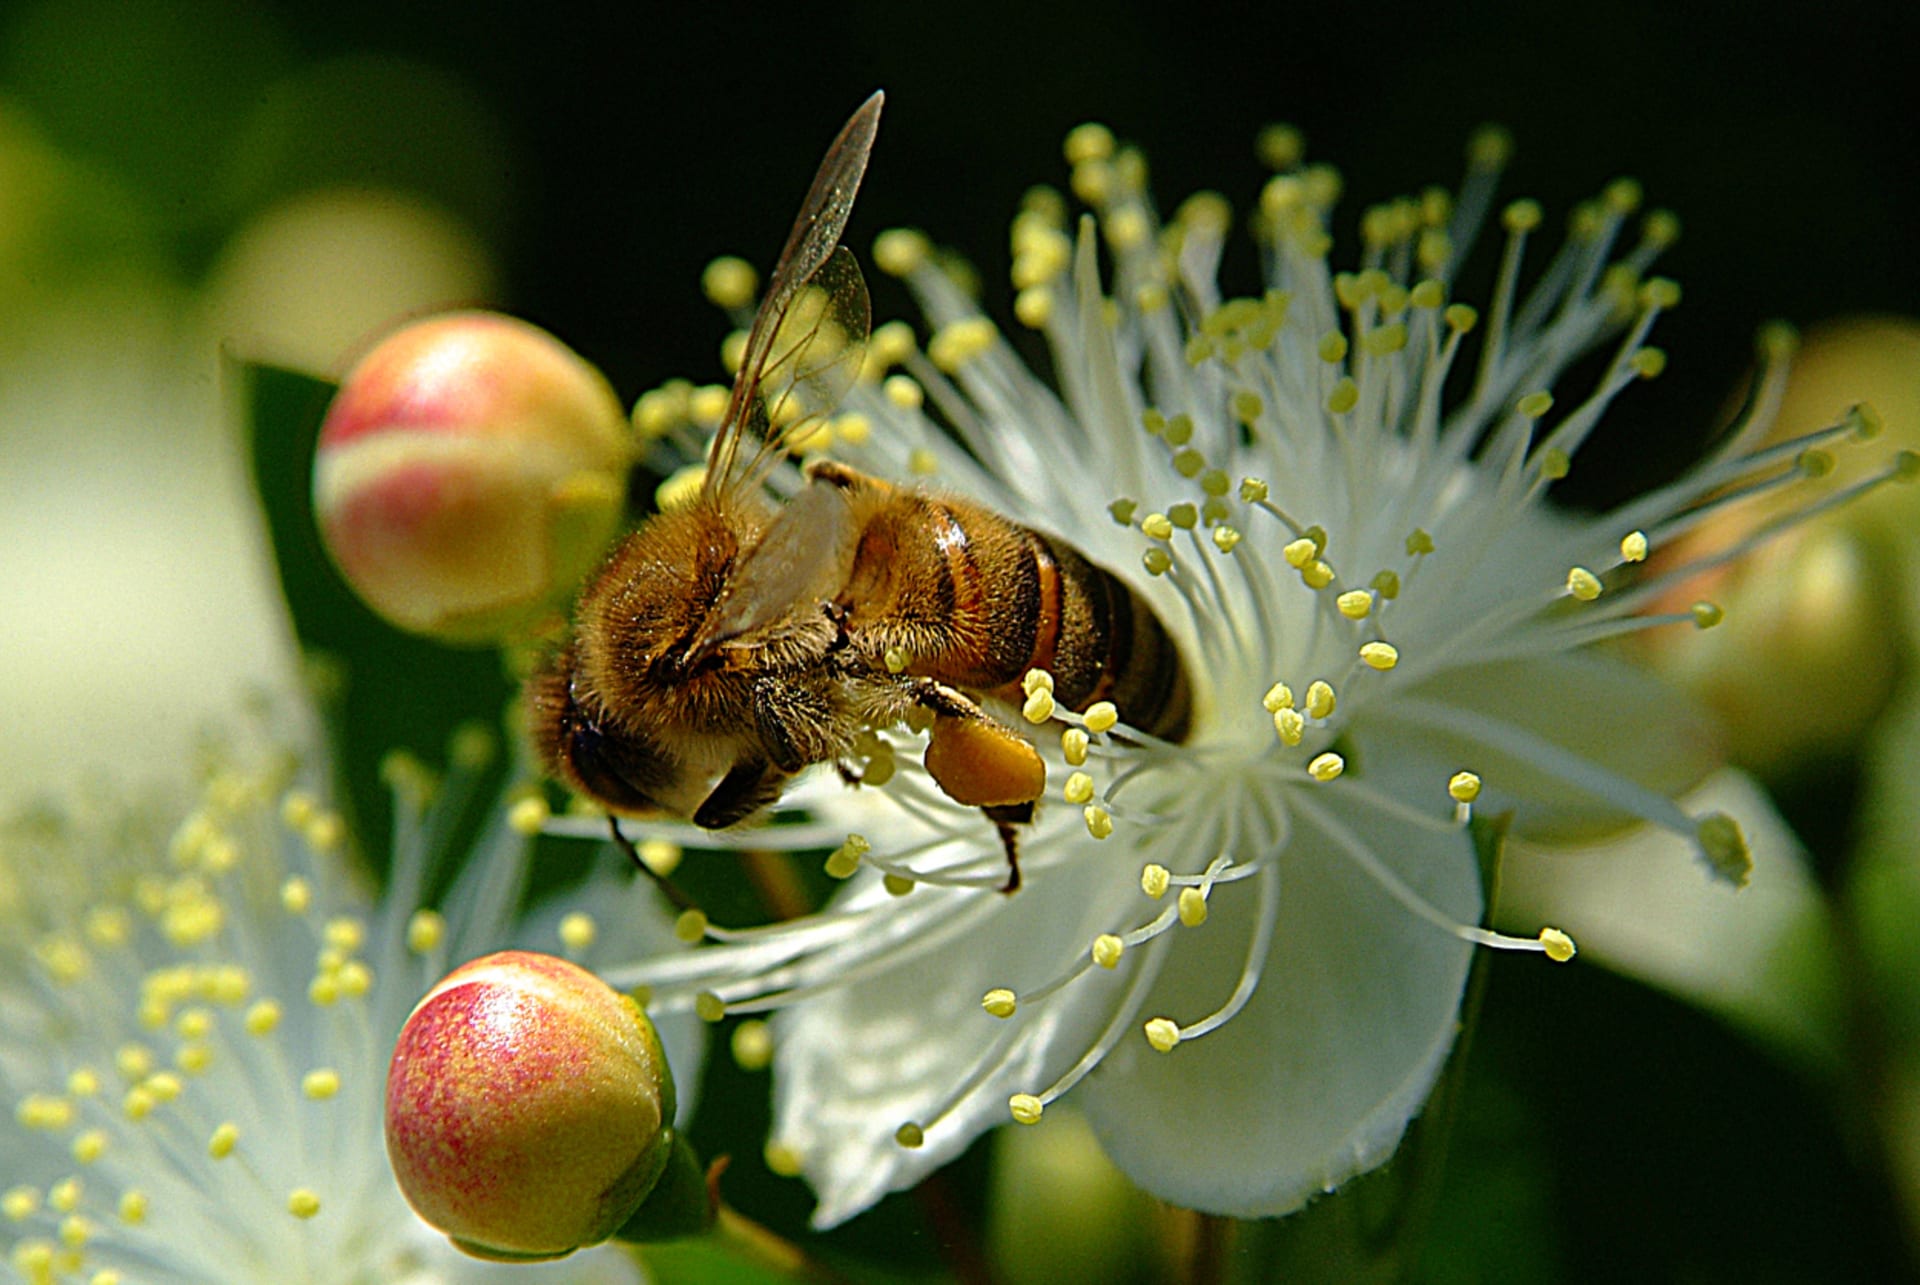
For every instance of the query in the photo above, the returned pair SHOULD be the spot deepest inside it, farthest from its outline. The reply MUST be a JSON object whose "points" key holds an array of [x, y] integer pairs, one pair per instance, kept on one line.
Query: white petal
{"points": [[1316, 1079], [855, 1064], [1641, 904]]}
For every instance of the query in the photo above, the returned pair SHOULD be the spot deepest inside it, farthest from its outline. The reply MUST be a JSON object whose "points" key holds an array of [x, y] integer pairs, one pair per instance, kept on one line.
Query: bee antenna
{"points": [[668, 889]]}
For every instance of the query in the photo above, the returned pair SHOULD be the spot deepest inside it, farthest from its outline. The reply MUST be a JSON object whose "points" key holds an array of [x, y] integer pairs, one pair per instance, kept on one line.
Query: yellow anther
{"points": [[1725, 848], [1583, 584], [1317, 574], [845, 859], [1193, 907], [225, 1137], [45, 1112], [729, 282], [1099, 821], [75, 1231], [527, 815], [296, 896], [1183, 515], [84, 1082], [325, 832], [1428, 293], [1073, 745], [1155, 879], [782, 1160], [910, 1135], [1033, 307], [89, 1146], [1460, 317], [1078, 789], [1290, 724], [133, 1206], [1320, 699], [1354, 604], [165, 1086], [752, 1045], [1633, 547], [1660, 292], [1179, 430], [263, 1017], [1101, 716], [903, 392], [1039, 706], [1163, 1033], [1035, 680], [1380, 655], [64, 1196], [900, 251], [1344, 397], [323, 991], [1253, 490], [1000, 1002], [690, 926], [1026, 1108], [1089, 142], [662, 856], [426, 929], [20, 1203], [1559, 946], [1649, 363], [709, 1007], [897, 885], [959, 342], [320, 1084], [577, 931], [1300, 553], [1463, 787], [137, 1103], [1325, 767], [1534, 405], [1107, 949], [1278, 697], [1707, 614], [1157, 526], [1122, 511], [303, 1203], [1522, 216], [895, 660]]}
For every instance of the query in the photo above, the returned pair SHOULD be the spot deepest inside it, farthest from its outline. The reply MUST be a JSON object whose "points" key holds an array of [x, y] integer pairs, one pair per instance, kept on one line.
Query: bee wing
{"points": [[800, 561], [807, 334]]}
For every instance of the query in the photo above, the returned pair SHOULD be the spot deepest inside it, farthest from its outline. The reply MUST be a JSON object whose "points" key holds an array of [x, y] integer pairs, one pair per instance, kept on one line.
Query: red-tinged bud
{"points": [[529, 1108], [470, 472]]}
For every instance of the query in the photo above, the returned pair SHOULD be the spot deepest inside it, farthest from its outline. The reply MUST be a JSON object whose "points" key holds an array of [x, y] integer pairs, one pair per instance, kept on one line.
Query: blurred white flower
{"points": [[1244, 954], [198, 1000]]}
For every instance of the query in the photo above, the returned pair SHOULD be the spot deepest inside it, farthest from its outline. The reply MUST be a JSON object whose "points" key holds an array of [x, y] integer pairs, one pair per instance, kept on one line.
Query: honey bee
{"points": [[728, 644]]}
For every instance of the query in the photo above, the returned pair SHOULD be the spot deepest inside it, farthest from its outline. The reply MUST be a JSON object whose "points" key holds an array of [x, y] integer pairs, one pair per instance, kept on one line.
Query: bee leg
{"points": [[668, 889], [747, 787], [1004, 820]]}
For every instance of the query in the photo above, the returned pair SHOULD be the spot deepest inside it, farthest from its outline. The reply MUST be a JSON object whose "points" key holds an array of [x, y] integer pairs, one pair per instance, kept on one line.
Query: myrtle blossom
{"points": [[1243, 954], [198, 999]]}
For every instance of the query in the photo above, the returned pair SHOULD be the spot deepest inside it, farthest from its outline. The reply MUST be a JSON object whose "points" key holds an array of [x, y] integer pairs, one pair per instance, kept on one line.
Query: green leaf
{"points": [[392, 690]]}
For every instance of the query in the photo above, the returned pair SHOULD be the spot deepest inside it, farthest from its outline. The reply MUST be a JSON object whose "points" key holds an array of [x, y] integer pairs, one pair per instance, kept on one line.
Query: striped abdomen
{"points": [[976, 601]]}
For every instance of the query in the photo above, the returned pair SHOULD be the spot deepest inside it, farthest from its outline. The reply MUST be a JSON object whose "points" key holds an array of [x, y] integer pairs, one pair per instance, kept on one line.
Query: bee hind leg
{"points": [[1005, 819]]}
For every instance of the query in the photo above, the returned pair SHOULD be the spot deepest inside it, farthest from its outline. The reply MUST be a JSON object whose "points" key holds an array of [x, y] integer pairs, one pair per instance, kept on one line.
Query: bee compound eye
{"points": [[624, 772]]}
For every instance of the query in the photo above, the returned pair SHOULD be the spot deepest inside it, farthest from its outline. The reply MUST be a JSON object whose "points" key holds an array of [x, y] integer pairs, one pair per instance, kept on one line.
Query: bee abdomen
{"points": [[1101, 641]]}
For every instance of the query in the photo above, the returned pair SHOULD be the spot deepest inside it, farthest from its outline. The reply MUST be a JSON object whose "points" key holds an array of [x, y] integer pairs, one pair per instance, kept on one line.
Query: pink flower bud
{"points": [[471, 470], [529, 1107]]}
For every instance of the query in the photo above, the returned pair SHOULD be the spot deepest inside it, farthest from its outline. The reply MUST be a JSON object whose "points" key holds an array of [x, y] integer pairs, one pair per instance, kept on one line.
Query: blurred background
{"points": [[188, 183]]}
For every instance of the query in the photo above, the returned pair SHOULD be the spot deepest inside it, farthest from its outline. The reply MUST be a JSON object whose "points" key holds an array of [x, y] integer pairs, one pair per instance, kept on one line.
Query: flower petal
{"points": [[854, 1065], [1316, 1079]]}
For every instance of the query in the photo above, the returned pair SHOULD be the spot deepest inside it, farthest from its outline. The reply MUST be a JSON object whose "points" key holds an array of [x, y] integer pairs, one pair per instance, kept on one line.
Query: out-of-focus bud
{"points": [[529, 1108], [1819, 619], [471, 470]]}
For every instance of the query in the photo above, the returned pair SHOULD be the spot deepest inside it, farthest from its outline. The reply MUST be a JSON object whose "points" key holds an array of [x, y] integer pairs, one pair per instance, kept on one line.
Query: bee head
{"points": [[622, 770]]}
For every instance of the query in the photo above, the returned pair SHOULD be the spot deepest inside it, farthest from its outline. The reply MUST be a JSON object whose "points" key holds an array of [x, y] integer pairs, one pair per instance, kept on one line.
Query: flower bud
{"points": [[1810, 650], [470, 471], [529, 1108]]}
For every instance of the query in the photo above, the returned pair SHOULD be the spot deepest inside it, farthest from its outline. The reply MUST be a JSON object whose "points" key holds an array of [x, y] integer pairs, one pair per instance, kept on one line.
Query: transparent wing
{"points": [[806, 339]]}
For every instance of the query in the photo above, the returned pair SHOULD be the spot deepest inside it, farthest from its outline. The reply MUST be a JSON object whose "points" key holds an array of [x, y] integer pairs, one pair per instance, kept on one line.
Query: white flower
{"points": [[1245, 954], [197, 1006]]}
